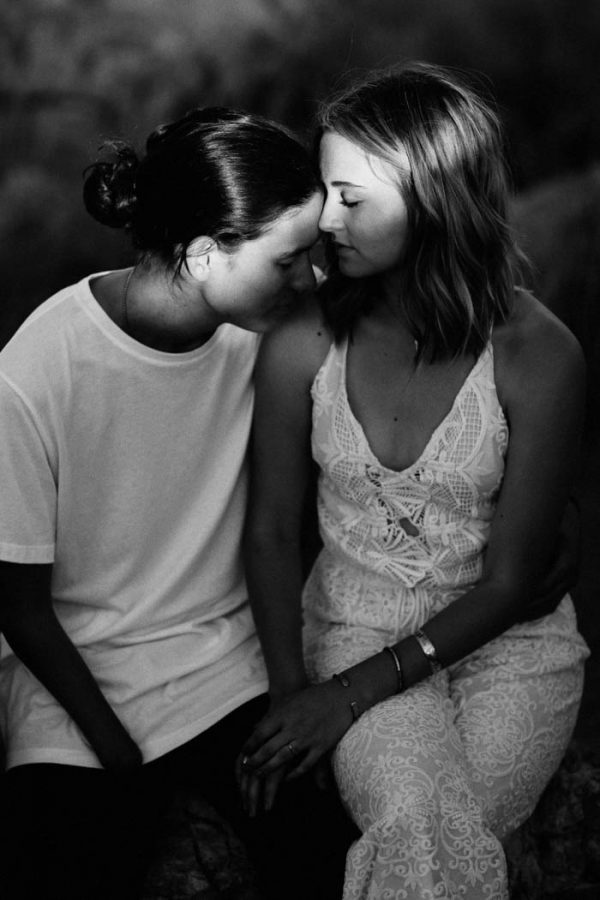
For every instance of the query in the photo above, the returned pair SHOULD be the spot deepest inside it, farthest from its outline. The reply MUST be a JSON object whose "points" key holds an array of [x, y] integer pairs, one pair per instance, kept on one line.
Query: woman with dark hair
{"points": [[443, 405], [125, 403]]}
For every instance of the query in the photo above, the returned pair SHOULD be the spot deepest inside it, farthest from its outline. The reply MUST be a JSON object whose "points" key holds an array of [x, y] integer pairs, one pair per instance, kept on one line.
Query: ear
{"points": [[198, 257]]}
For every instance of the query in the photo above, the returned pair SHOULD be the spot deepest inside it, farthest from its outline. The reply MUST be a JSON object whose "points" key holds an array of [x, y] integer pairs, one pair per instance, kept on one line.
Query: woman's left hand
{"points": [[297, 731]]}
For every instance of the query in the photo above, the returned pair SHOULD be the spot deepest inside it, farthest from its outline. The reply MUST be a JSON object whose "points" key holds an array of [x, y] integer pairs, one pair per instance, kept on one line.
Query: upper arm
{"points": [[288, 362], [28, 481], [540, 374]]}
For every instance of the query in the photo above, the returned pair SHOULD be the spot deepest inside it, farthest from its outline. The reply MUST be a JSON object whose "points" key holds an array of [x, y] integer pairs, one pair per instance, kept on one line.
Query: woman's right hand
{"points": [[118, 753], [30, 625]]}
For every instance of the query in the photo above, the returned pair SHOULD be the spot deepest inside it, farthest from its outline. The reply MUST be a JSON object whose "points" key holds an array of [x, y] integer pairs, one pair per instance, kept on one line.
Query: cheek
{"points": [[388, 237], [267, 286]]}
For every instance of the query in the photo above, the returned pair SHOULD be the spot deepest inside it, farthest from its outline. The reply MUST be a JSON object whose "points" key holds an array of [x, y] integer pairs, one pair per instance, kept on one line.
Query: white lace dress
{"points": [[438, 776]]}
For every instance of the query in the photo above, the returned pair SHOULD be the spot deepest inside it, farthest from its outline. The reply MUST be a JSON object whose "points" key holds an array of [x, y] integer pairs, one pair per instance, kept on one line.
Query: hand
{"points": [[119, 754], [258, 794], [296, 732], [563, 573]]}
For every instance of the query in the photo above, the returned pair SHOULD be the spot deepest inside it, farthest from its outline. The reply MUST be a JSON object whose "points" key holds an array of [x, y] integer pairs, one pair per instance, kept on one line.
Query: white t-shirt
{"points": [[124, 466]]}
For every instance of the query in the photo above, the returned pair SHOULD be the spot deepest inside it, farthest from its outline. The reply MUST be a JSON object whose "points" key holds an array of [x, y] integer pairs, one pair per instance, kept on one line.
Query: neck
{"points": [[151, 311]]}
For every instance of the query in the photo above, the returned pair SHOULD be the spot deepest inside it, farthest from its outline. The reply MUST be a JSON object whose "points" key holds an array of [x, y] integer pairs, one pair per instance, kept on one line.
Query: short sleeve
{"points": [[28, 494]]}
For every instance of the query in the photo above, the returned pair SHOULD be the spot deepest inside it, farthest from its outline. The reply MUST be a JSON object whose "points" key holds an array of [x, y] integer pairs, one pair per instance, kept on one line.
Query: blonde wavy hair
{"points": [[460, 262]]}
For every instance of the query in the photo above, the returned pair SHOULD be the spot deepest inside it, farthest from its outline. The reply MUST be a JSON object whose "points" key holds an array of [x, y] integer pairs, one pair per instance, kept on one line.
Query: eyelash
{"points": [[349, 203]]}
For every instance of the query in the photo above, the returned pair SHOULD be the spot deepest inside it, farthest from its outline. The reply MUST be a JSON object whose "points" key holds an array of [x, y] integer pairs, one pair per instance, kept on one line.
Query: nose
{"points": [[303, 278], [330, 219]]}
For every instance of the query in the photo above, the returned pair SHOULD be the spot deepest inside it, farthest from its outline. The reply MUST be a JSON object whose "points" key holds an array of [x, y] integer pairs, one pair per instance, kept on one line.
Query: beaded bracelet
{"points": [[429, 650], [343, 680], [399, 678]]}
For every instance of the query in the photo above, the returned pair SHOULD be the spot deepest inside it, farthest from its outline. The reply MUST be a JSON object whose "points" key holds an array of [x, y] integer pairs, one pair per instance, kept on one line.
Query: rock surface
{"points": [[555, 855]]}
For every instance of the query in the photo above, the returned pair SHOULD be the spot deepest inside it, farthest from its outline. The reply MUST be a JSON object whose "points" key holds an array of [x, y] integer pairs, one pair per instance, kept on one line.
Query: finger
{"points": [[266, 729], [270, 788], [273, 759], [240, 765], [323, 775], [244, 785], [253, 795], [538, 610], [304, 766], [277, 751], [563, 571]]}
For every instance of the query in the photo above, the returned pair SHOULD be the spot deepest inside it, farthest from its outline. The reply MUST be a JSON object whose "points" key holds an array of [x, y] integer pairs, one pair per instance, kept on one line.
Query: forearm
{"points": [[313, 721], [461, 628], [40, 642], [274, 573]]}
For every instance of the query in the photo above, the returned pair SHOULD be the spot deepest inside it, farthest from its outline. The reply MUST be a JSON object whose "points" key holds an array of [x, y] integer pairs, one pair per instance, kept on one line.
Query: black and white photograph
{"points": [[299, 450]]}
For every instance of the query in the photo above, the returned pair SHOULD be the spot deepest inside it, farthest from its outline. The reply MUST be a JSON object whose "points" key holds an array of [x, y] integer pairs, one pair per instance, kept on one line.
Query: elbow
{"points": [[17, 619], [261, 539], [510, 594]]}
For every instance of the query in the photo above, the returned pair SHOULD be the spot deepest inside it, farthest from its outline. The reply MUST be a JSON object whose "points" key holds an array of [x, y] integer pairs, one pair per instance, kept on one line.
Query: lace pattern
{"points": [[429, 523], [438, 776]]}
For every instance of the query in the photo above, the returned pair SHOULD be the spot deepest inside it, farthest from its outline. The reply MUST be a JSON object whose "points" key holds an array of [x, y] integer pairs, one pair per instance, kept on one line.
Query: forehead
{"points": [[294, 230], [344, 162]]}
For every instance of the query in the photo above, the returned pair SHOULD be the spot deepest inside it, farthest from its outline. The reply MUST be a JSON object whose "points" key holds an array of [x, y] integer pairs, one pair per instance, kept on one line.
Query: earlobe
{"points": [[198, 257]]}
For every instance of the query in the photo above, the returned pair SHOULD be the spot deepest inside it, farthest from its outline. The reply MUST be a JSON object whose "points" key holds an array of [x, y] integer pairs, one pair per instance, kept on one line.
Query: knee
{"points": [[419, 802]]}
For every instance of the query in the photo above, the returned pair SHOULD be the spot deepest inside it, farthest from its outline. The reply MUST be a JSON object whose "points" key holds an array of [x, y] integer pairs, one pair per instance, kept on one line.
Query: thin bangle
{"points": [[398, 667], [343, 680], [429, 650]]}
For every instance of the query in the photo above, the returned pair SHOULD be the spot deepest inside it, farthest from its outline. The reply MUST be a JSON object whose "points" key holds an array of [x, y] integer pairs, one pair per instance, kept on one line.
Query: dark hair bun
{"points": [[109, 188], [215, 172]]}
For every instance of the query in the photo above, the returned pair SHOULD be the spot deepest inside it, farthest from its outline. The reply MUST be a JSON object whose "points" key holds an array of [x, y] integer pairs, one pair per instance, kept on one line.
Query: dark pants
{"points": [[82, 834]]}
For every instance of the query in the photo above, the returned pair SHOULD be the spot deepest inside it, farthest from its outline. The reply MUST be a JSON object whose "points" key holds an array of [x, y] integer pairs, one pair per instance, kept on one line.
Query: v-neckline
{"points": [[436, 431]]}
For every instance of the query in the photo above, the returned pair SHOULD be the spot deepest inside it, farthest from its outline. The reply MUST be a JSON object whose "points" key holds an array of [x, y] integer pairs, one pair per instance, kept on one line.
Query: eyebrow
{"points": [[299, 250], [350, 184]]}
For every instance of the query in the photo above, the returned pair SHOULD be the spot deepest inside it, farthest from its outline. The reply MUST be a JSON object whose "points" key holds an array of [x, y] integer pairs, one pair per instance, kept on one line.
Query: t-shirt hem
{"points": [[155, 749], [50, 755], [151, 750], [18, 553]]}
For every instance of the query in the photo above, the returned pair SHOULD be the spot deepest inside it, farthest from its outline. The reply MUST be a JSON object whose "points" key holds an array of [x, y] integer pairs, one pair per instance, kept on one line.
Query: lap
{"points": [[93, 835], [396, 756], [497, 723], [516, 704], [70, 832]]}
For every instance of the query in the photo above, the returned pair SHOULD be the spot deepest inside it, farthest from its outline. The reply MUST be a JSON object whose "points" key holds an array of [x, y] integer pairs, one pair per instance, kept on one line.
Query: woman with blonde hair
{"points": [[443, 406]]}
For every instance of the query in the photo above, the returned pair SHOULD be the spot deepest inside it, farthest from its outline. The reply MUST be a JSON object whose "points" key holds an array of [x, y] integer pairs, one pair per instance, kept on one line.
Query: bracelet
{"points": [[399, 678], [343, 680], [429, 650]]}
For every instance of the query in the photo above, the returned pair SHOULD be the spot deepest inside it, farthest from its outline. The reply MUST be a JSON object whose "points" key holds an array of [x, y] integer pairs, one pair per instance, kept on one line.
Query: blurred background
{"points": [[74, 72]]}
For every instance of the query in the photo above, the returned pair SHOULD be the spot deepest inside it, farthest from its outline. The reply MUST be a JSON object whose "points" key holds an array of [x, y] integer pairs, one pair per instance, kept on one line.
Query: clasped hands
{"points": [[295, 734]]}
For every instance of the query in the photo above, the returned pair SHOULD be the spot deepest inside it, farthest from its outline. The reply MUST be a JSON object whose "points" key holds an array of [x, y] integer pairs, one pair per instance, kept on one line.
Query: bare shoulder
{"points": [[298, 346], [534, 349]]}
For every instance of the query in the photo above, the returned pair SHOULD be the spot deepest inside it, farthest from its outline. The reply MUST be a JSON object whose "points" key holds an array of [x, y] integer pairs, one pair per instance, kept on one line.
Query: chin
{"points": [[352, 269], [262, 325]]}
